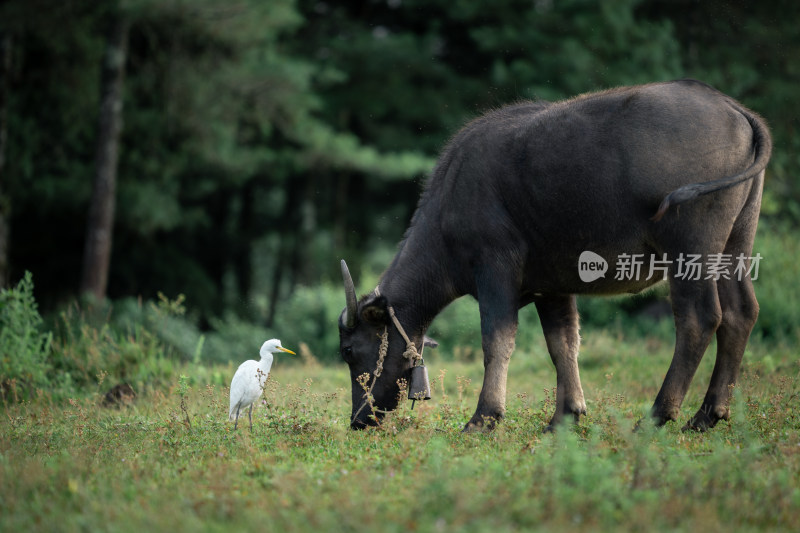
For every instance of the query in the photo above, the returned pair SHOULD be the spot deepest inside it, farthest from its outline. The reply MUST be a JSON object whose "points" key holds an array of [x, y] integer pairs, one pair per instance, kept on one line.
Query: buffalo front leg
{"points": [[559, 318], [697, 311], [498, 309]]}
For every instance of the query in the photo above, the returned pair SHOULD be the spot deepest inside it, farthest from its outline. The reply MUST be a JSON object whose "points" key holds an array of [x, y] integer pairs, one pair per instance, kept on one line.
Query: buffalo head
{"points": [[362, 326]]}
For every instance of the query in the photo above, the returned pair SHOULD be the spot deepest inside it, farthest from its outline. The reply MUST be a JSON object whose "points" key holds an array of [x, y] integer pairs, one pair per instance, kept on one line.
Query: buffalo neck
{"points": [[417, 284]]}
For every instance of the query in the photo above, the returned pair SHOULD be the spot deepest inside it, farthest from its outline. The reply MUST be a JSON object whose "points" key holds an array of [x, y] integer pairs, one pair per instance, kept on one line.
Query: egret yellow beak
{"points": [[281, 348]]}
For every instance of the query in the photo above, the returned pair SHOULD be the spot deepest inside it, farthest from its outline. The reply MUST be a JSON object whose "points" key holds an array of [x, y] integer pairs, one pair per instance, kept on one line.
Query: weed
{"points": [[462, 385], [183, 390]]}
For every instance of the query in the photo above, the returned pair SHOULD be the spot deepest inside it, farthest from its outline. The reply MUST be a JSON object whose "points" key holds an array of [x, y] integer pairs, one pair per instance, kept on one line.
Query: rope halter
{"points": [[411, 353]]}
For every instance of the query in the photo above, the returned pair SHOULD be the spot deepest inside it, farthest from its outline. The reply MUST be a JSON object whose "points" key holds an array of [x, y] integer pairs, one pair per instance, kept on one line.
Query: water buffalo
{"points": [[664, 175]]}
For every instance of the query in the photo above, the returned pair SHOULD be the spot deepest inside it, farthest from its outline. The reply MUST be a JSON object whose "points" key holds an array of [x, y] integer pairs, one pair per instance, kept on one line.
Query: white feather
{"points": [[249, 380]]}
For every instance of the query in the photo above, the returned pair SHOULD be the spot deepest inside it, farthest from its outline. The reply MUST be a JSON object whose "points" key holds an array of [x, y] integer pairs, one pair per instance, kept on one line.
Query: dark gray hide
{"points": [[521, 192]]}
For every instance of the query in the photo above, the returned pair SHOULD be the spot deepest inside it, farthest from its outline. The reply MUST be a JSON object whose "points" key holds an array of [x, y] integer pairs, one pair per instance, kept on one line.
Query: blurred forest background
{"points": [[233, 151]]}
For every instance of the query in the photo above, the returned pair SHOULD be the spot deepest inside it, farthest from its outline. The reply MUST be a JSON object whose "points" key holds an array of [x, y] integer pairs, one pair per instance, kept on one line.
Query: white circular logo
{"points": [[591, 266]]}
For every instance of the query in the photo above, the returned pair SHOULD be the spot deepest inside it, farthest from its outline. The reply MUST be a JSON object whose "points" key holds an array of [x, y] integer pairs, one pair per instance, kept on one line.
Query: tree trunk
{"points": [[97, 251], [5, 205]]}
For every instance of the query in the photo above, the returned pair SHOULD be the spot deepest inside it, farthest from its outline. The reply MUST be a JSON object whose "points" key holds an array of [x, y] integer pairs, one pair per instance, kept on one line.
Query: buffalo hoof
{"points": [[560, 417], [652, 421], [706, 418], [481, 423], [560, 420], [695, 426], [661, 416]]}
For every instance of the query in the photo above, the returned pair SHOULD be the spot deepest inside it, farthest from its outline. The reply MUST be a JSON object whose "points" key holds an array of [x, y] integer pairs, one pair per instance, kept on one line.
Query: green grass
{"points": [[71, 465]]}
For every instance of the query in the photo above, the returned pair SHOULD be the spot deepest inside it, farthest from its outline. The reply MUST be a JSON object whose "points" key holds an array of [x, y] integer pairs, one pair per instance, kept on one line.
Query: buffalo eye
{"points": [[347, 354]]}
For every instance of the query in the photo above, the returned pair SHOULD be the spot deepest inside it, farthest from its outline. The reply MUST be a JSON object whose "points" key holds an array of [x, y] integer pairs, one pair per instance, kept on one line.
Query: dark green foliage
{"points": [[24, 346], [88, 353], [264, 141], [83, 351]]}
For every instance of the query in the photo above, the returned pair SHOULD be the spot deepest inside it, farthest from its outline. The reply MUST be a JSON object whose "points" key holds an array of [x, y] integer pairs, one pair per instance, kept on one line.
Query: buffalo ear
{"points": [[375, 311], [429, 342]]}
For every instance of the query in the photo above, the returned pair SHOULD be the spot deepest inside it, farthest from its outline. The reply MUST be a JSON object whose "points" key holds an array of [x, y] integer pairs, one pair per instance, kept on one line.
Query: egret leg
{"points": [[250, 416], [236, 423]]}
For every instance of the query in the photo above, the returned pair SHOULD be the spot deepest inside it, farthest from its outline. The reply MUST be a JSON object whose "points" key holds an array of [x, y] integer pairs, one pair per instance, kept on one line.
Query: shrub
{"points": [[166, 319], [24, 348], [85, 355], [311, 316], [142, 345]]}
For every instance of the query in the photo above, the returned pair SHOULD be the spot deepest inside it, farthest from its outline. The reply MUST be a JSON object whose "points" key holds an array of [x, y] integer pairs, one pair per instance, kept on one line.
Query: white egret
{"points": [[249, 380]]}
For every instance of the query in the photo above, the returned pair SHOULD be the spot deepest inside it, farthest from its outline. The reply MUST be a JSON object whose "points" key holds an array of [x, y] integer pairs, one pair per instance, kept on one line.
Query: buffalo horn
{"points": [[350, 292]]}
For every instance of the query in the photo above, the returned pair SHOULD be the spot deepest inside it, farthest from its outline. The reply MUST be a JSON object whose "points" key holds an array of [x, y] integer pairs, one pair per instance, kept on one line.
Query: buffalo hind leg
{"points": [[559, 318], [696, 307], [739, 314], [498, 306]]}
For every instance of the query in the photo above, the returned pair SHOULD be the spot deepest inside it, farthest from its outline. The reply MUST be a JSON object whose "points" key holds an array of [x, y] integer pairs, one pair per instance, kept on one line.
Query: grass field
{"points": [[171, 460]]}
